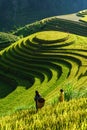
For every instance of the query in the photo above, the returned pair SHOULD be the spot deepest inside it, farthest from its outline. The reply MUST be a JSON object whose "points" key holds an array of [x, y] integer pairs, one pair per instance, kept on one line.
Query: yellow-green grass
{"points": [[70, 115], [84, 19], [83, 15], [50, 37], [46, 61]]}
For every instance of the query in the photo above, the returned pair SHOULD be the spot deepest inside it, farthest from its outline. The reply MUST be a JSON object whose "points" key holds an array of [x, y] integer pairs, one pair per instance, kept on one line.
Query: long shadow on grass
{"points": [[7, 85]]}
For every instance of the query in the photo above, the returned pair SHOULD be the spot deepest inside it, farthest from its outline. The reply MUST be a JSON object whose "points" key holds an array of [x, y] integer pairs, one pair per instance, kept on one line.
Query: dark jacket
{"points": [[37, 96]]}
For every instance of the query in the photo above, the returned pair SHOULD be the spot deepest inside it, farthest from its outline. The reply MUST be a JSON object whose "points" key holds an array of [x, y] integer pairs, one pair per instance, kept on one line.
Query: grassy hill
{"points": [[52, 58], [45, 61]]}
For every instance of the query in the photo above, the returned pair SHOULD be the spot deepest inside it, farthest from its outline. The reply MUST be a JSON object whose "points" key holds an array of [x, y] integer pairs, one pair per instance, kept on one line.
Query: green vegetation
{"points": [[53, 23], [83, 15], [70, 115], [84, 19], [43, 63], [31, 28], [51, 37], [7, 39]]}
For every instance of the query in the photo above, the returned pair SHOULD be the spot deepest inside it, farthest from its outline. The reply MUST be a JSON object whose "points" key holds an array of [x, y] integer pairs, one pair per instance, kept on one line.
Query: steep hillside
{"points": [[54, 23], [14, 13], [45, 61]]}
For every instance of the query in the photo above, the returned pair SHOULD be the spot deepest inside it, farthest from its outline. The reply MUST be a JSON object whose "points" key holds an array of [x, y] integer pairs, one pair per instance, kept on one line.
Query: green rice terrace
{"points": [[54, 56], [7, 39], [83, 15]]}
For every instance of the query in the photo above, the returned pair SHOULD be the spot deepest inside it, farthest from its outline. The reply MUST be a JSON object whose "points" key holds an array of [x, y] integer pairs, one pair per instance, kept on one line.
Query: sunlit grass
{"points": [[53, 59], [63, 116], [84, 19], [52, 36], [45, 61]]}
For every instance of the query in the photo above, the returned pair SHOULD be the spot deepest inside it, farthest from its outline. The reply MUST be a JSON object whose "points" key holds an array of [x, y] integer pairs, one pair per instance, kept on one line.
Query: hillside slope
{"points": [[54, 23], [45, 61], [19, 12], [7, 39]]}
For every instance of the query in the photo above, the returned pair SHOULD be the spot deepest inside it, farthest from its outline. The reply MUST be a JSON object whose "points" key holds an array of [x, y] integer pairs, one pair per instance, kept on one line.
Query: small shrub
{"points": [[69, 92]]}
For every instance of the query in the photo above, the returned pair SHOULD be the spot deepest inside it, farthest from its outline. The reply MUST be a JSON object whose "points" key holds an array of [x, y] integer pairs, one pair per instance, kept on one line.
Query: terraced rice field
{"points": [[67, 26], [84, 19], [83, 16], [54, 23], [47, 61], [7, 39]]}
